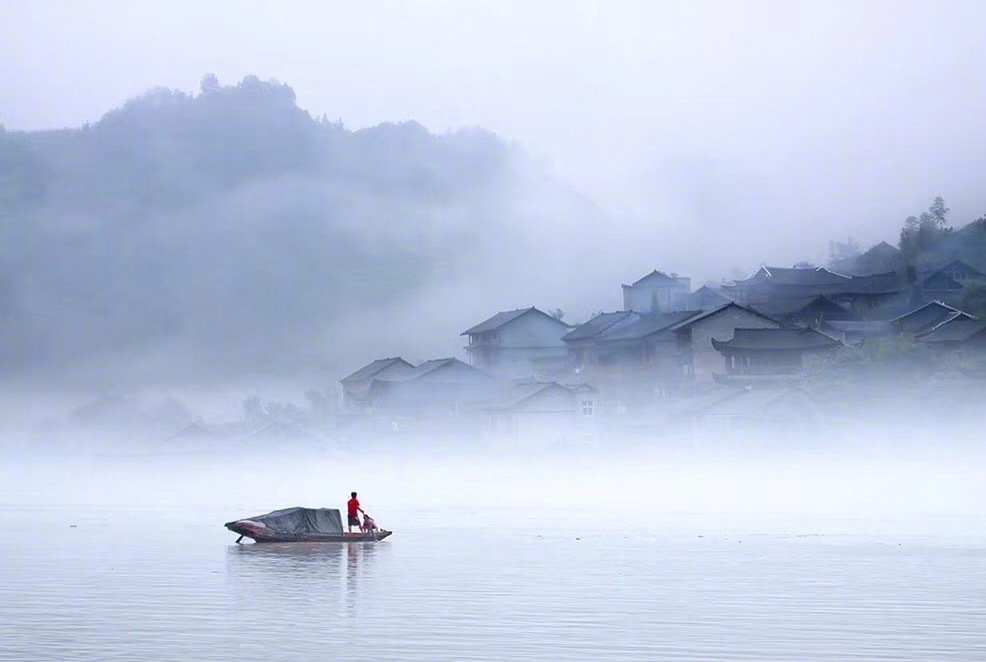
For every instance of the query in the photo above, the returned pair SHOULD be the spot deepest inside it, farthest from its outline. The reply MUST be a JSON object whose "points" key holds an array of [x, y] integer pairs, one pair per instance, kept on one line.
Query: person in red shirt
{"points": [[352, 508]]}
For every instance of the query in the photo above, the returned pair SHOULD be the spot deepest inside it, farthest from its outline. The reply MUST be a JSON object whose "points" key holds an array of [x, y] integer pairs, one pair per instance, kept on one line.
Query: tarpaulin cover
{"points": [[297, 521]]}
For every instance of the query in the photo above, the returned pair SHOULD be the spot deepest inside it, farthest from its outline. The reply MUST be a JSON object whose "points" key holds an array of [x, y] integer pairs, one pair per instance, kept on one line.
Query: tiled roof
{"points": [[710, 313], [799, 276], [648, 324], [861, 328], [373, 368], [883, 248], [655, 276], [706, 293], [600, 323], [435, 364], [428, 367], [956, 329], [940, 281], [883, 283], [779, 307], [924, 319], [954, 268], [502, 319], [776, 339]]}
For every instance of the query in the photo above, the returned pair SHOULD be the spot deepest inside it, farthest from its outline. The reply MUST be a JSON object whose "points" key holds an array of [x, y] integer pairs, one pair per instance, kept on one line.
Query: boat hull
{"points": [[257, 533]]}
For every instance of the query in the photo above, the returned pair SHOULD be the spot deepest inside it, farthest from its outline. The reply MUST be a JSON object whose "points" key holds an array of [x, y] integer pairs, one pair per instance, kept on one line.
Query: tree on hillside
{"points": [[210, 84], [923, 232]]}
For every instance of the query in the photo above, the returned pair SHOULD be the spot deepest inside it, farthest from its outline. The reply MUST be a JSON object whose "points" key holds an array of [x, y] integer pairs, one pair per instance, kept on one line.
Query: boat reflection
{"points": [[294, 571], [313, 550]]}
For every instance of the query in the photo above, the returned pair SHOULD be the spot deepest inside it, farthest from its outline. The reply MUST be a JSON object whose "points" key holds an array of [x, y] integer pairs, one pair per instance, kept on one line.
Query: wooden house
{"points": [[514, 343], [356, 386], [760, 352], [534, 411], [694, 336]]}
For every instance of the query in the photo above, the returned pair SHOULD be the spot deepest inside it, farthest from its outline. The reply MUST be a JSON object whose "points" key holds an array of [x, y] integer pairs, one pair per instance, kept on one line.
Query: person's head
{"points": [[353, 494]]}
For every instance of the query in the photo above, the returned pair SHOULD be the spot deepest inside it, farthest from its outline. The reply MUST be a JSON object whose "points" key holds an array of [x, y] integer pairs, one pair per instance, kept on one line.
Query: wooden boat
{"points": [[301, 525]]}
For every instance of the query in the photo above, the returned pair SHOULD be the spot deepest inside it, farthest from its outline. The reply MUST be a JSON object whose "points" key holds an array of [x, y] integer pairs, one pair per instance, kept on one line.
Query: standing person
{"points": [[352, 507]]}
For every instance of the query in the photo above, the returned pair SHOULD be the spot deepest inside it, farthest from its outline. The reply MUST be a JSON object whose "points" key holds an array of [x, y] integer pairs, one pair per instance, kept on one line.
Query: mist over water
{"points": [[739, 548], [250, 202]]}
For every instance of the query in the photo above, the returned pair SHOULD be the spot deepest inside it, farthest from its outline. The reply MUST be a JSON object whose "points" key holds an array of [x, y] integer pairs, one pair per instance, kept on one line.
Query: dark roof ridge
{"points": [[504, 317], [708, 313], [381, 364], [655, 272], [920, 308], [622, 313]]}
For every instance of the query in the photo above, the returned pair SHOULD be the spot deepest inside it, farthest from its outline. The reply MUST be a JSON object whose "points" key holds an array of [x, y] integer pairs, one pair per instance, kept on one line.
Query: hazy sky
{"points": [[795, 122]]}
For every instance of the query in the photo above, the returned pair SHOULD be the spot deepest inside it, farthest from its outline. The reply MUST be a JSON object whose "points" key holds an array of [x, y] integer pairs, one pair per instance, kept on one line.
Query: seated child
{"points": [[368, 524]]}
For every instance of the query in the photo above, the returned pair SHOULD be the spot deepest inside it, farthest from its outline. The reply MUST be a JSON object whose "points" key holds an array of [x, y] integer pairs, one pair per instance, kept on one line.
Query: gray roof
{"points": [[887, 282], [940, 281], [753, 340], [655, 276], [966, 267], [955, 266], [648, 324], [798, 276], [863, 328], [710, 313], [598, 324], [705, 293], [502, 319], [884, 248], [823, 304], [628, 325], [925, 318], [374, 367], [427, 368], [956, 329], [792, 306], [433, 365]]}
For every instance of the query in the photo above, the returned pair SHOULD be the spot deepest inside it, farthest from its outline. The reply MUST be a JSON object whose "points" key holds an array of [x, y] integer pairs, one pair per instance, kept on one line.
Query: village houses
{"points": [[514, 343], [529, 372]]}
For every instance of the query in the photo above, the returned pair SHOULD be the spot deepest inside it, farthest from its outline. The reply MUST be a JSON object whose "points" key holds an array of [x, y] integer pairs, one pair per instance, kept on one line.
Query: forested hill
{"points": [[230, 232], [170, 149]]}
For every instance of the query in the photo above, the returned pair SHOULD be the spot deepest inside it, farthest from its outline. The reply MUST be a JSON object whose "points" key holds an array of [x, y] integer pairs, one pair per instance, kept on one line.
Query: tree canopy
{"points": [[230, 230]]}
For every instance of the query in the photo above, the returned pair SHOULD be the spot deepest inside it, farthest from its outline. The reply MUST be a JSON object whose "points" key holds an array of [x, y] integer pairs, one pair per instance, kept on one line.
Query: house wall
{"points": [[660, 297], [705, 360], [511, 349], [631, 373], [768, 363], [706, 299], [441, 391], [550, 416]]}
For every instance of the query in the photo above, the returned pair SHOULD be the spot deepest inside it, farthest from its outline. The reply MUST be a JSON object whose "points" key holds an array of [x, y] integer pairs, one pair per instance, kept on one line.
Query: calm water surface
{"points": [[560, 585]]}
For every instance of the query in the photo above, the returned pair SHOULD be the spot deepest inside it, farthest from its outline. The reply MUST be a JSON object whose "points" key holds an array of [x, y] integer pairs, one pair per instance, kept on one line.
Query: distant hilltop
{"points": [[230, 233]]}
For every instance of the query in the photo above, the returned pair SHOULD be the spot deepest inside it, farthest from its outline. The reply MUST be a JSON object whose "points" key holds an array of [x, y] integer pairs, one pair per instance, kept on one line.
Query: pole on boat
{"points": [[239, 539]]}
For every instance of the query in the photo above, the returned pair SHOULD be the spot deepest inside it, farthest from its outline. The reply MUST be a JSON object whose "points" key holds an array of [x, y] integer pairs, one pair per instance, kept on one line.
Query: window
{"points": [[587, 407]]}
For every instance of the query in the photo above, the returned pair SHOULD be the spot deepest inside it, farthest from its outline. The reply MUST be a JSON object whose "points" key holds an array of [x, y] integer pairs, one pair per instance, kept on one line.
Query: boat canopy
{"points": [[301, 521]]}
